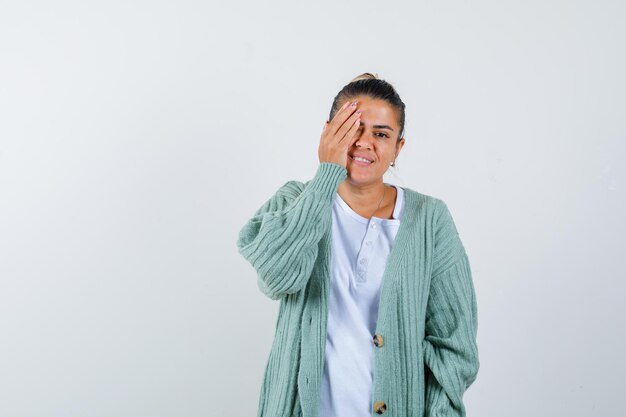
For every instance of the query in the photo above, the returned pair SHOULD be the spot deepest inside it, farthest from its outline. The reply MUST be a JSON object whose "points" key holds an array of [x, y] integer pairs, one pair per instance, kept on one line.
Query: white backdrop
{"points": [[136, 138]]}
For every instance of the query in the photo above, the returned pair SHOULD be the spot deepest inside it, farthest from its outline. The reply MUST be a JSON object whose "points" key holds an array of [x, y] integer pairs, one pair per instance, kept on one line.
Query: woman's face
{"points": [[376, 140]]}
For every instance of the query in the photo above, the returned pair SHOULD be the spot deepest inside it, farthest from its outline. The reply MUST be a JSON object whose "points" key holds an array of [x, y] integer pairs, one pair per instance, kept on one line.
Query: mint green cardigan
{"points": [[427, 312]]}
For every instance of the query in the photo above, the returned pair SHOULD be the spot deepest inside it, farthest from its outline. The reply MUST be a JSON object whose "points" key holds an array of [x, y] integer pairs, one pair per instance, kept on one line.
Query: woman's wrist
{"points": [[327, 178]]}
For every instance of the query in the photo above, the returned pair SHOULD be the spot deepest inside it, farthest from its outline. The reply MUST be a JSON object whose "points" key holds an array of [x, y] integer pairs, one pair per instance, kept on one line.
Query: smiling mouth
{"points": [[361, 161]]}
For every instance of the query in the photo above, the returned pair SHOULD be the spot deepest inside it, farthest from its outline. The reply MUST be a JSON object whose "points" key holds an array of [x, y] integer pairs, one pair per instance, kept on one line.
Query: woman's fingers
{"points": [[350, 125], [340, 118], [338, 135], [352, 133]]}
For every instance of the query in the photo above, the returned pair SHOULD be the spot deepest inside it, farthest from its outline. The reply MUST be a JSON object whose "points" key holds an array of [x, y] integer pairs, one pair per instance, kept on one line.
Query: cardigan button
{"points": [[380, 407], [378, 340]]}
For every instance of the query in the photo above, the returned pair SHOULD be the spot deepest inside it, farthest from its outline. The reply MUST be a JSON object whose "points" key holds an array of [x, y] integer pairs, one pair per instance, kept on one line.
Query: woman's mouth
{"points": [[361, 161]]}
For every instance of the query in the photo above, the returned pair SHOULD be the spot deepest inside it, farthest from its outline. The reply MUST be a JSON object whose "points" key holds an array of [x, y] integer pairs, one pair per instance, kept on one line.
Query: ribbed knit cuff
{"points": [[327, 178]]}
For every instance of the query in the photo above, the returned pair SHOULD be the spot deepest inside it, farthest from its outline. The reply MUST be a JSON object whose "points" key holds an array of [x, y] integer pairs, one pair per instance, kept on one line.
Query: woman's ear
{"points": [[399, 146]]}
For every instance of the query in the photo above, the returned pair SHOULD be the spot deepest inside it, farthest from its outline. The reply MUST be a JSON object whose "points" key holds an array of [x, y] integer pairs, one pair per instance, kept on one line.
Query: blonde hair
{"points": [[366, 76]]}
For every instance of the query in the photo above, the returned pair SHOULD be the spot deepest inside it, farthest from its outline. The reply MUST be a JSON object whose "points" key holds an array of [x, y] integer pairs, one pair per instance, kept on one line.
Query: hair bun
{"points": [[366, 76]]}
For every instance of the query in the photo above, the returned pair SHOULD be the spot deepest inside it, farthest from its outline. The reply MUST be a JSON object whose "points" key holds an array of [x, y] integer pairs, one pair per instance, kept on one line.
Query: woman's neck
{"points": [[367, 200]]}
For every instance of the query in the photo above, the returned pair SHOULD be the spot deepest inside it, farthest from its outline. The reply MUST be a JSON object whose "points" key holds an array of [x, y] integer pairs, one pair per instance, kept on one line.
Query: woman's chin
{"points": [[356, 176]]}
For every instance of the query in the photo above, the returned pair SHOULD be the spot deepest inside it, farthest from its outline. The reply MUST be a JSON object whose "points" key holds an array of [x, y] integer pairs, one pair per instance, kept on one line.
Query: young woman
{"points": [[377, 310]]}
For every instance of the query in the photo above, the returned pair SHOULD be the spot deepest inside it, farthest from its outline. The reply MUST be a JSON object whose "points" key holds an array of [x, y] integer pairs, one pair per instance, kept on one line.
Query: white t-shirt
{"points": [[360, 248]]}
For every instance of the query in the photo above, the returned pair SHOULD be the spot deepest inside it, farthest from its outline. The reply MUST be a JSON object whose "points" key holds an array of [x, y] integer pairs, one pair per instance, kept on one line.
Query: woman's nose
{"points": [[362, 140]]}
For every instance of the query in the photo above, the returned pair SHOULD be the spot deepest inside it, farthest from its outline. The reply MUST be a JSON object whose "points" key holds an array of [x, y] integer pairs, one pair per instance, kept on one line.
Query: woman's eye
{"points": [[382, 135]]}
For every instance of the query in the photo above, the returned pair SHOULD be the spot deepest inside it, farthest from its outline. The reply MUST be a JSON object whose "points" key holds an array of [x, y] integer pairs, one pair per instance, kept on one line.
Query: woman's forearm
{"points": [[281, 239]]}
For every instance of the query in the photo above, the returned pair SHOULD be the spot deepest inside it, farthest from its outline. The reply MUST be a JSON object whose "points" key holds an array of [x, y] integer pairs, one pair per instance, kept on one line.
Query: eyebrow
{"points": [[382, 127]]}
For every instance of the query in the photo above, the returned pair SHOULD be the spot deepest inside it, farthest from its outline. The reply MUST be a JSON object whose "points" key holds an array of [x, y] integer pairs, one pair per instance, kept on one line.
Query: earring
{"points": [[393, 164]]}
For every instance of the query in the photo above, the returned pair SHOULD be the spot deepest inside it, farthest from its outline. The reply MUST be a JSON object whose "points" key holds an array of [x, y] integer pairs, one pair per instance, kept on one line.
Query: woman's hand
{"points": [[339, 134]]}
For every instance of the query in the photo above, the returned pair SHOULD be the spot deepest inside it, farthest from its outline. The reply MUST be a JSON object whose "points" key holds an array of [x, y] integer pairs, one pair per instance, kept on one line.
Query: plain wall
{"points": [[136, 139]]}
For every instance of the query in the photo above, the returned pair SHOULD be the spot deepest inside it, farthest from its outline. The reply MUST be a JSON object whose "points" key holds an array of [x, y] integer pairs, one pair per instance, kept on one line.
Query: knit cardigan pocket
{"points": [[450, 349], [281, 239]]}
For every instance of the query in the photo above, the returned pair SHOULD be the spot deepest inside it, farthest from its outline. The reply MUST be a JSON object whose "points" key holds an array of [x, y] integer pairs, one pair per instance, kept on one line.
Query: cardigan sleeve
{"points": [[450, 348], [281, 239]]}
